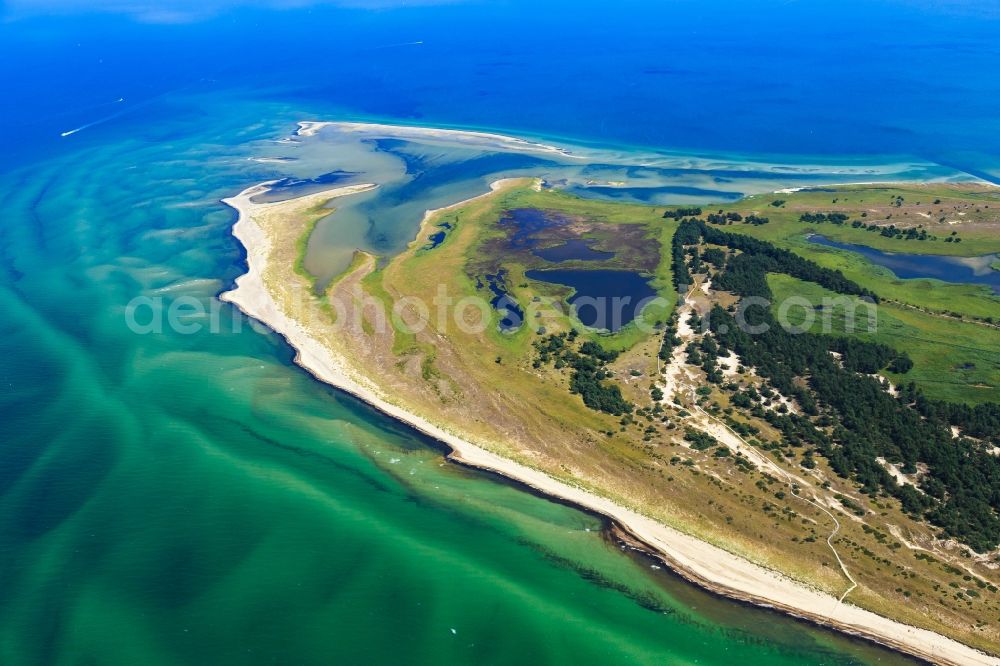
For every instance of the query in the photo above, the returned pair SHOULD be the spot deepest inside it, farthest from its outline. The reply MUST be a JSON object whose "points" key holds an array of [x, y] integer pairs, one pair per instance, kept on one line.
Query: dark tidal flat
{"points": [[578, 249]]}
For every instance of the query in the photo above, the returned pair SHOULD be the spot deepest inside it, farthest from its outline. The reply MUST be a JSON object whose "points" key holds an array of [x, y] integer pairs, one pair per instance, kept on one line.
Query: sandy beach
{"points": [[695, 560]]}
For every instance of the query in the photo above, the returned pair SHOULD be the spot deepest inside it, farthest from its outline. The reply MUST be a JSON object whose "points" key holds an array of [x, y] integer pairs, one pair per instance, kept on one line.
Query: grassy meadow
{"points": [[952, 360]]}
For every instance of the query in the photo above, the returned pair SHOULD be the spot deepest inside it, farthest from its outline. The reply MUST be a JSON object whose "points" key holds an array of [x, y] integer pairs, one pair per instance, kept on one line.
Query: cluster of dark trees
{"points": [[678, 213], [687, 234], [699, 440], [960, 493], [892, 231], [911, 233], [706, 355], [720, 218], [847, 415], [588, 372], [670, 339], [746, 272], [981, 421], [820, 218], [724, 218], [901, 364], [866, 357], [714, 256]]}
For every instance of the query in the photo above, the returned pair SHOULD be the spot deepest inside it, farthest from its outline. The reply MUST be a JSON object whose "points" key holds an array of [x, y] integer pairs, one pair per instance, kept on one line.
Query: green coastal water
{"points": [[175, 498]]}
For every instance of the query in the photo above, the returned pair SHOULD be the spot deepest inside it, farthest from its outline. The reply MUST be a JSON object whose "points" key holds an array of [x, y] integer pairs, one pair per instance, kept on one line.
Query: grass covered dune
{"points": [[430, 382]]}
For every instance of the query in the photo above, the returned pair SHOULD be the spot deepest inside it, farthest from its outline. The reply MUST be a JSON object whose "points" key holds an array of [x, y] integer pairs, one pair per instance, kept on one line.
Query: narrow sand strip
{"points": [[700, 562], [482, 139]]}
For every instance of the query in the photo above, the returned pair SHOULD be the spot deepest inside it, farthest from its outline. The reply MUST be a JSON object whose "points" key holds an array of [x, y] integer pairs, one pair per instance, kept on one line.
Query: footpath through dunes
{"points": [[414, 390], [677, 382]]}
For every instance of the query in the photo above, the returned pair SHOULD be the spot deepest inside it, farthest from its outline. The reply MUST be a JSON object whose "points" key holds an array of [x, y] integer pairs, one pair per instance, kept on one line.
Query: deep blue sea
{"points": [[195, 498], [777, 77]]}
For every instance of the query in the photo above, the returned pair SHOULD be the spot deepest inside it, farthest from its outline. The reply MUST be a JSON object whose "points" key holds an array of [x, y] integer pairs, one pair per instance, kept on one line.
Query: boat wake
{"points": [[120, 100]]}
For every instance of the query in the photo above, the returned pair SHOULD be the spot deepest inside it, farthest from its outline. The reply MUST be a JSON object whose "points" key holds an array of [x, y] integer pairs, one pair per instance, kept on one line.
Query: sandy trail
{"points": [[679, 380]]}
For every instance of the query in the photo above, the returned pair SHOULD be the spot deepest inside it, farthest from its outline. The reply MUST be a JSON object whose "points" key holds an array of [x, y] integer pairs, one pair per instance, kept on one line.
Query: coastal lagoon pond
{"points": [[602, 299], [511, 313], [964, 270]]}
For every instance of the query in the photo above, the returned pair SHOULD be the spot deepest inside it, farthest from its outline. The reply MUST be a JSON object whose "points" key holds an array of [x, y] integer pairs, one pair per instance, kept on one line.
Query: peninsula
{"points": [[742, 469]]}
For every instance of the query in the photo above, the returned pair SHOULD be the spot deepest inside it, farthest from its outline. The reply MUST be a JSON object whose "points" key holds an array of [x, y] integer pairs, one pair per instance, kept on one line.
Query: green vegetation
{"points": [[588, 365], [952, 360], [964, 209], [961, 489], [699, 441], [755, 259], [678, 213], [969, 211]]}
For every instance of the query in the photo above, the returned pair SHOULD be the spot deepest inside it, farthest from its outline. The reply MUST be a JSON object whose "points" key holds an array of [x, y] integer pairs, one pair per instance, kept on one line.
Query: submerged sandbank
{"points": [[461, 137]]}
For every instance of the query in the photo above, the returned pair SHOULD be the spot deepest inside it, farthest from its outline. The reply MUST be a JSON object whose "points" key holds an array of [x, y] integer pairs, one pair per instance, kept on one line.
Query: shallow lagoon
{"points": [[603, 299], [425, 173], [963, 270]]}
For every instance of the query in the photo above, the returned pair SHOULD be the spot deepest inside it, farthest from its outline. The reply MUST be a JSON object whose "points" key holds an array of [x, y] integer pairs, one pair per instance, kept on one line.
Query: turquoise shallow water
{"points": [[181, 498]]}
